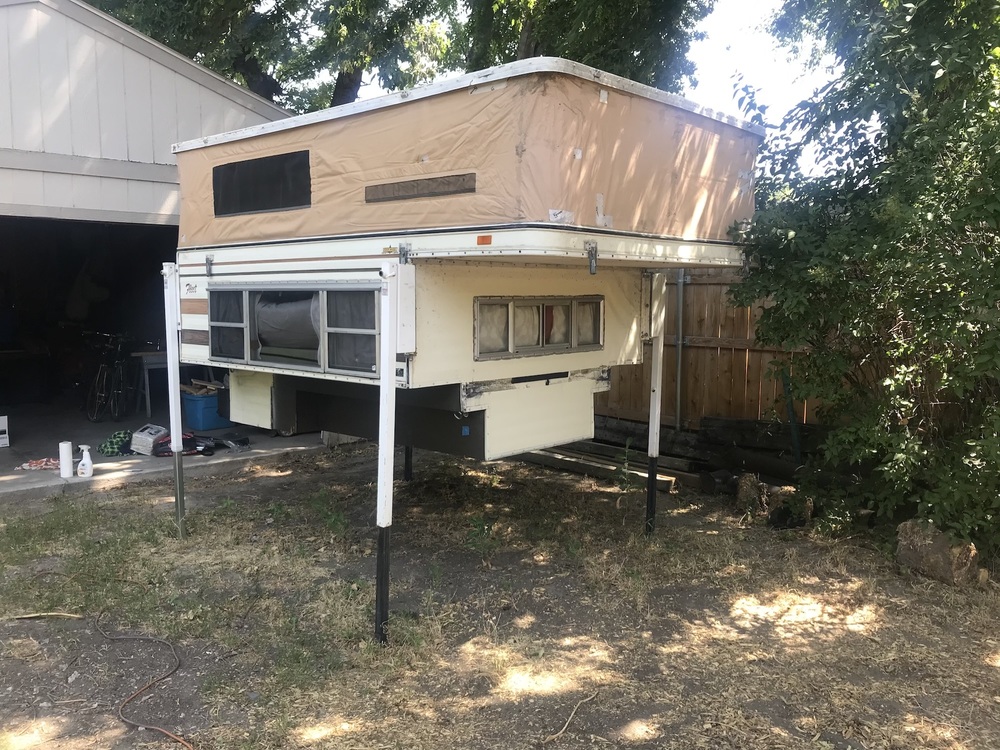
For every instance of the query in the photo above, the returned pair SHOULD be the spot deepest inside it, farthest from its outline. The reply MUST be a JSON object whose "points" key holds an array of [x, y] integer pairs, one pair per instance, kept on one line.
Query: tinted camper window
{"points": [[272, 183]]}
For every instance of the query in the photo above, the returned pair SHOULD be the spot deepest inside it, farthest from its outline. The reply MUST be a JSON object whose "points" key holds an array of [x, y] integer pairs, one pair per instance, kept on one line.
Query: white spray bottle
{"points": [[86, 466]]}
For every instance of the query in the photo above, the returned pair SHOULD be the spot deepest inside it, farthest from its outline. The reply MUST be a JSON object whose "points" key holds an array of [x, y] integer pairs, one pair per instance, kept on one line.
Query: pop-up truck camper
{"points": [[471, 257]]}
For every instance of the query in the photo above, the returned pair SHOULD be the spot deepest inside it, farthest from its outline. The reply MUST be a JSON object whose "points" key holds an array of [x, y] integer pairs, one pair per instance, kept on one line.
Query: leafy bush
{"points": [[886, 269]]}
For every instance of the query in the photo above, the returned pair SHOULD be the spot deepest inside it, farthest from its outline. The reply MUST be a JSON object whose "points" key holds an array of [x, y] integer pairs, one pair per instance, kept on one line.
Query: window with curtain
{"points": [[493, 330], [286, 327], [527, 326]]}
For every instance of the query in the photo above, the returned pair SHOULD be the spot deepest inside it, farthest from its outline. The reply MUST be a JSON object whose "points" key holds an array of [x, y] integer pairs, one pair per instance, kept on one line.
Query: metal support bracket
{"points": [[209, 259], [591, 248], [405, 248]]}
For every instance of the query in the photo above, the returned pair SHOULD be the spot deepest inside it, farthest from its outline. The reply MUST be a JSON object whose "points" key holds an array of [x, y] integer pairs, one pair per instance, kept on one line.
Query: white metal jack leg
{"points": [[386, 445], [657, 309], [171, 310]]}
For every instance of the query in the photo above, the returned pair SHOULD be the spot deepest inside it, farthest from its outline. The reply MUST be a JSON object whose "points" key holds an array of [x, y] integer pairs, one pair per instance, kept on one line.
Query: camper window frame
{"points": [[374, 332], [322, 364], [293, 170], [541, 349], [227, 324]]}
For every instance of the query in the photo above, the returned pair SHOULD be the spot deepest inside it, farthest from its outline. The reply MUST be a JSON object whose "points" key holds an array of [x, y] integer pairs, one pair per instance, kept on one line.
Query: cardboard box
{"points": [[4, 437], [202, 412]]}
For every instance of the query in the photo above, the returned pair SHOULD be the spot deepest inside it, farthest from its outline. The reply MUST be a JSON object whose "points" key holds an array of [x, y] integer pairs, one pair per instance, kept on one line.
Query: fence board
{"points": [[692, 364], [724, 392], [724, 371]]}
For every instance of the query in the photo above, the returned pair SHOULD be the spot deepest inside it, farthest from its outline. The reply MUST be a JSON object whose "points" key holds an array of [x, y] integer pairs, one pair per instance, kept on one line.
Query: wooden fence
{"points": [[723, 372]]}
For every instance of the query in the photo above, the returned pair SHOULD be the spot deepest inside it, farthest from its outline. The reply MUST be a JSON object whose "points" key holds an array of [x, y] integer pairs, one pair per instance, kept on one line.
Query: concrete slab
{"points": [[37, 429]]}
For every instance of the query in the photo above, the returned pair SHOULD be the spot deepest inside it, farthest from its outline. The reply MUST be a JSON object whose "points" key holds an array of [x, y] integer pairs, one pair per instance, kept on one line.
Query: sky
{"points": [[736, 41]]}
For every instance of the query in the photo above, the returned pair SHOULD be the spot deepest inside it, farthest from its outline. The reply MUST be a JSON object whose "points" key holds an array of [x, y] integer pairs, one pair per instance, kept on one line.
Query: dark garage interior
{"points": [[62, 282]]}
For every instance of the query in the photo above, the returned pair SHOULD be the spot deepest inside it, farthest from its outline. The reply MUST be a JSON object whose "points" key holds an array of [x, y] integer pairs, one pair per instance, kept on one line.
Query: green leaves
{"points": [[887, 267], [305, 54], [644, 40]]}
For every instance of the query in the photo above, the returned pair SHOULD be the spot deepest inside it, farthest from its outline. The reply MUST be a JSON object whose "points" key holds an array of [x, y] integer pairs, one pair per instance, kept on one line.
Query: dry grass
{"points": [[516, 594]]}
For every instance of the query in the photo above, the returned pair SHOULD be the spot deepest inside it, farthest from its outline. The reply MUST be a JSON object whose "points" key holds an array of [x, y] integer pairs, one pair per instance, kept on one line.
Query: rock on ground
{"points": [[787, 508], [930, 551], [750, 495]]}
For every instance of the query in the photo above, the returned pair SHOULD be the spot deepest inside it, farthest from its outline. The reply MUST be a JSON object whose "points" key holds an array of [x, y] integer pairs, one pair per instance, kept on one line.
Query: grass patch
{"points": [[23, 539], [515, 594], [324, 507], [245, 578]]}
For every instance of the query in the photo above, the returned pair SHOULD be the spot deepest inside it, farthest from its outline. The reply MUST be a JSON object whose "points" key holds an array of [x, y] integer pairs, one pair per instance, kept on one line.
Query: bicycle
{"points": [[111, 389]]}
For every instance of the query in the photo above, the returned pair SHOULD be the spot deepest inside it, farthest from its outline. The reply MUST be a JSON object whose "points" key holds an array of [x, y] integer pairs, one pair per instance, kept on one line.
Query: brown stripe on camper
{"points": [[194, 307], [427, 187], [194, 337]]}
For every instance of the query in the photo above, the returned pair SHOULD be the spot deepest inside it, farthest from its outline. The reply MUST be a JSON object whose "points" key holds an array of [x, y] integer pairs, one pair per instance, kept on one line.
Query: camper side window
{"points": [[352, 331], [332, 330], [226, 325], [286, 327], [270, 183], [524, 327]]}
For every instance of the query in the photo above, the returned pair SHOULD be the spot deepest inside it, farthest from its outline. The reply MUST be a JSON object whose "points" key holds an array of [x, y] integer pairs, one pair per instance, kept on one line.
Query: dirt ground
{"points": [[527, 610]]}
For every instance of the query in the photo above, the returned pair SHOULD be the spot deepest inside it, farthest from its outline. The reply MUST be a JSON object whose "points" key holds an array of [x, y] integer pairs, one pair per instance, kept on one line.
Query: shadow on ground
{"points": [[526, 611]]}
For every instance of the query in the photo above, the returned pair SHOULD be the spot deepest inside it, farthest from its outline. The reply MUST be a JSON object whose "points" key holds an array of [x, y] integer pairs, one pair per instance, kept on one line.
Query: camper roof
{"points": [[482, 78]]}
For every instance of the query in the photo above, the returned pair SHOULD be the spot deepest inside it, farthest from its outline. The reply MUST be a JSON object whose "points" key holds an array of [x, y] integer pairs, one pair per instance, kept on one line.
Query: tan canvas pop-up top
{"points": [[536, 141]]}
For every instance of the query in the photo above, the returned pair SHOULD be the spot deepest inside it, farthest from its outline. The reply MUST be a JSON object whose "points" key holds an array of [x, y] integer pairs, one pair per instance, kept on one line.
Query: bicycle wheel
{"points": [[116, 399], [97, 396], [129, 378]]}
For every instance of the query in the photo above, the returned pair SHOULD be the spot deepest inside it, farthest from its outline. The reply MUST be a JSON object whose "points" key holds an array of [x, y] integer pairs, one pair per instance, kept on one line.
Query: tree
{"points": [[233, 37], [406, 42], [309, 54], [644, 40], [886, 267], [305, 54]]}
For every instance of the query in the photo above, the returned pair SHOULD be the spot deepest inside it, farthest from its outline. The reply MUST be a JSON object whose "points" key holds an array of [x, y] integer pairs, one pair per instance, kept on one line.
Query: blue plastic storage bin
{"points": [[202, 412]]}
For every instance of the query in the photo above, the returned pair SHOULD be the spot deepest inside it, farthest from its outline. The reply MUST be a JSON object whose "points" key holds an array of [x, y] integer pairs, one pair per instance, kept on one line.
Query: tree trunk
{"points": [[346, 89], [480, 35], [527, 44], [255, 77]]}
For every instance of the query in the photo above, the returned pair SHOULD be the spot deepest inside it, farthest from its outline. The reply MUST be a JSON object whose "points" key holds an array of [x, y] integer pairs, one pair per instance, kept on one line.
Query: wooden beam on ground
{"points": [[672, 442], [757, 435], [593, 467], [665, 463]]}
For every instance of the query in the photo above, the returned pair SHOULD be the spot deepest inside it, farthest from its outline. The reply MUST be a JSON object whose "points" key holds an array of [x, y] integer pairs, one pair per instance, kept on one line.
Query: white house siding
{"points": [[89, 110]]}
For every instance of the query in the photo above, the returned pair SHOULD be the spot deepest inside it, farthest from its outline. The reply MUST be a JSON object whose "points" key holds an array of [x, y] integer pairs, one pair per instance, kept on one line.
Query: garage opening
{"points": [[62, 285]]}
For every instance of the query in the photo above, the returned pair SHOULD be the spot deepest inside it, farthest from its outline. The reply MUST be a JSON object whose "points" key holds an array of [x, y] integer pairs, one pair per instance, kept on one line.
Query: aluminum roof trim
{"points": [[472, 81]]}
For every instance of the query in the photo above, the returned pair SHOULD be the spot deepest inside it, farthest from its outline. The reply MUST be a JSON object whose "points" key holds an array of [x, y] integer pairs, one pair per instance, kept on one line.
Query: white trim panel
{"points": [[86, 214], [523, 245], [539, 415], [41, 161]]}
